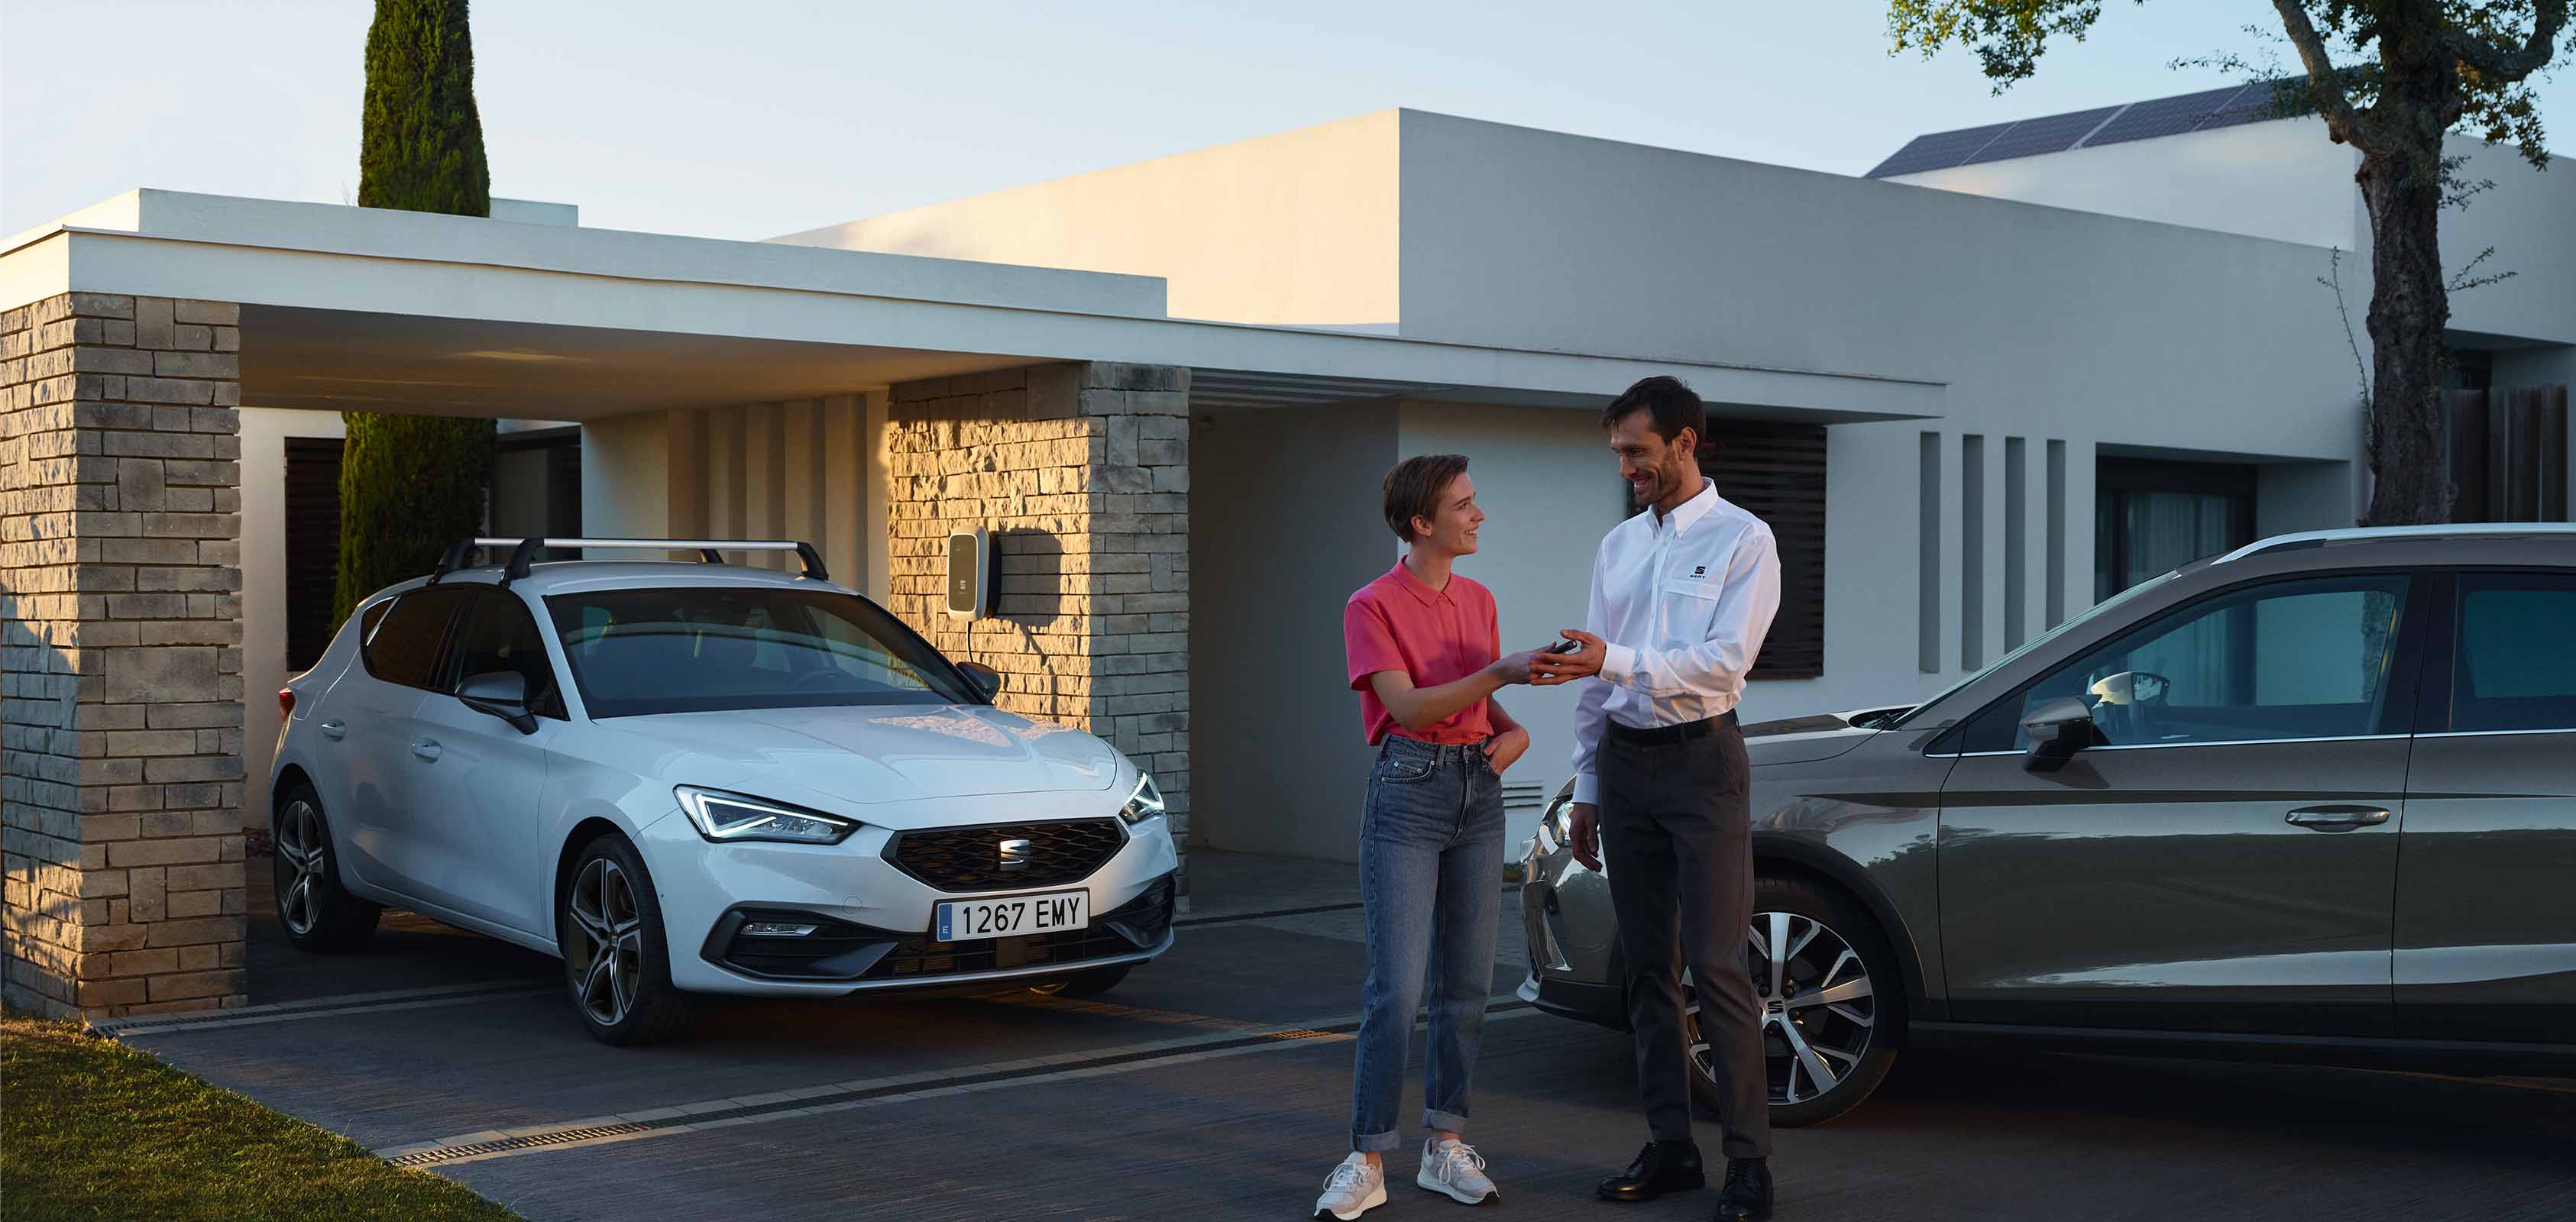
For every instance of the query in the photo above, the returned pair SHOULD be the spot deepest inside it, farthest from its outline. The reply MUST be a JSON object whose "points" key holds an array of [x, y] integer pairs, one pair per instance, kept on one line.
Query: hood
{"points": [[1798, 740], [879, 754]]}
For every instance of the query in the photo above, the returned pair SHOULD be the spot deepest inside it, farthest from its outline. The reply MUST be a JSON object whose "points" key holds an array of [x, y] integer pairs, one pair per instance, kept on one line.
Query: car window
{"points": [[405, 644], [499, 634], [2088, 615], [703, 648], [2514, 665], [2300, 659]]}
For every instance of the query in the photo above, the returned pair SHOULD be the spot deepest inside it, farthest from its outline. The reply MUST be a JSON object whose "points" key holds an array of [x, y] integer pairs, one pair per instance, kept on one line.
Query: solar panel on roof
{"points": [[1938, 151], [2163, 116], [2031, 137], [2252, 104]]}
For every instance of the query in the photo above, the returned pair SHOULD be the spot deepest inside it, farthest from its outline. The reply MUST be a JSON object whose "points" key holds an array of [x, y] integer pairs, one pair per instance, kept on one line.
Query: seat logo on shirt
{"points": [[1699, 571]]}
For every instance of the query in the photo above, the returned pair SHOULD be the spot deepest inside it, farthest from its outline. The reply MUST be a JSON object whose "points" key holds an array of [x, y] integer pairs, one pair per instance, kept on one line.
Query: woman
{"points": [[1422, 644]]}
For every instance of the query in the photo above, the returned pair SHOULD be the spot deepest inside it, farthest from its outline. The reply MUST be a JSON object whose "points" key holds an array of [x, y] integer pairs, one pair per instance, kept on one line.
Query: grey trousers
{"points": [[1675, 838]]}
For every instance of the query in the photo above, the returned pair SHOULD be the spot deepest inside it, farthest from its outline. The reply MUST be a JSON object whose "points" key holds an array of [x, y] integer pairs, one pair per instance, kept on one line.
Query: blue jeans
{"points": [[1431, 849]]}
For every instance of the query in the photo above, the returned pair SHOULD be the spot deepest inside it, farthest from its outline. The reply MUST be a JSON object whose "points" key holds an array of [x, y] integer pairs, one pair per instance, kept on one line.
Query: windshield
{"points": [[704, 648], [2043, 638]]}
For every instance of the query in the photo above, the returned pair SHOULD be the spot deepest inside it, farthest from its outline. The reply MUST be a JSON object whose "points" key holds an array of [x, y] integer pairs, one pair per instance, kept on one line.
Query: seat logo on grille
{"points": [[1015, 854]]}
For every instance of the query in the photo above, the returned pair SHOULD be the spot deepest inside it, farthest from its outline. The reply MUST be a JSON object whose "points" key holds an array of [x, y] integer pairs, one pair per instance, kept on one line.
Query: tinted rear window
{"points": [[2516, 665], [404, 646], [705, 648]]}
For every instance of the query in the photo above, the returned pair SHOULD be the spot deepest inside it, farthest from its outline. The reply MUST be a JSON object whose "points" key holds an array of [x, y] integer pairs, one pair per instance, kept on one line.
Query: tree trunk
{"points": [[2410, 307]]}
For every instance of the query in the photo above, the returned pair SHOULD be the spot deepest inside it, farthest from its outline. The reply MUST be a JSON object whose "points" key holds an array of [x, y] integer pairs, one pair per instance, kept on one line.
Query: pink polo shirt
{"points": [[1436, 636]]}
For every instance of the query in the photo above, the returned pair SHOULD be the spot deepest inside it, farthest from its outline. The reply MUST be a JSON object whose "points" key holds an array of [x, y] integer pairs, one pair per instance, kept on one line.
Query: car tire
{"points": [[1092, 983], [317, 913], [616, 960], [1822, 923]]}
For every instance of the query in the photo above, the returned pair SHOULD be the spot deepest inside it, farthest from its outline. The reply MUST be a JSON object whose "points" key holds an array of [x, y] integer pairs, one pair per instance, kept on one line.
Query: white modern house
{"points": [[2008, 373]]}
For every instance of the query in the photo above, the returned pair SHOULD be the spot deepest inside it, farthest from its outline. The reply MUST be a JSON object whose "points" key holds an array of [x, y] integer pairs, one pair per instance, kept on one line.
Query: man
{"points": [[1422, 645], [1681, 597]]}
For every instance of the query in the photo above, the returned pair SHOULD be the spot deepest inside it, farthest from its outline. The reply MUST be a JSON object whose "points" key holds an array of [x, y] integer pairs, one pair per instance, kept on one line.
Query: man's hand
{"points": [[1584, 834], [1583, 663], [1506, 747]]}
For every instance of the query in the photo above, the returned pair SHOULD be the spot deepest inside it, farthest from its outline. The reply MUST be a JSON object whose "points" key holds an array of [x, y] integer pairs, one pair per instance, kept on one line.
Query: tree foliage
{"points": [[410, 485], [2390, 78], [421, 138]]}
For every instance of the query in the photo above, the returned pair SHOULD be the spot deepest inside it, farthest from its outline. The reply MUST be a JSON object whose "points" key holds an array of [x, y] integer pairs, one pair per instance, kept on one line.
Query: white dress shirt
{"points": [[1684, 600]]}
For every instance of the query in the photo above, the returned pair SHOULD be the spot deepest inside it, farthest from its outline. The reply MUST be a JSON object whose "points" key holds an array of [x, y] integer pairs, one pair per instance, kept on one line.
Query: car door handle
{"points": [[334, 730], [2337, 818], [426, 748]]}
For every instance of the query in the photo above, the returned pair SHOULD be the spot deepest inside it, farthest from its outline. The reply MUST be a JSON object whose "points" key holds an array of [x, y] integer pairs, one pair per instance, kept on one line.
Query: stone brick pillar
{"points": [[121, 704], [1081, 472]]}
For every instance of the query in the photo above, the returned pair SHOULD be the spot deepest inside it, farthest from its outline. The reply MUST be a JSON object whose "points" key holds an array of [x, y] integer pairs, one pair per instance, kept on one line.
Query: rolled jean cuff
{"points": [[1377, 1143], [1443, 1122]]}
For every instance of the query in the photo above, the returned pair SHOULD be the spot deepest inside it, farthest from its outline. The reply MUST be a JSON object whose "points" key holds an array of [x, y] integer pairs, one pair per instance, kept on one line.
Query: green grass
{"points": [[91, 1130]]}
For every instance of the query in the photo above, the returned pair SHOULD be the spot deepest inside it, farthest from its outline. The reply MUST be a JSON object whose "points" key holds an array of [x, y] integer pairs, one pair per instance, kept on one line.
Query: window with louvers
{"points": [[312, 546], [1777, 473]]}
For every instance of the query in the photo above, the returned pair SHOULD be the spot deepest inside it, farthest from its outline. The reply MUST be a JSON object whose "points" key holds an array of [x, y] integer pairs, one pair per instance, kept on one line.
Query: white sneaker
{"points": [[1355, 1187], [1453, 1168]]}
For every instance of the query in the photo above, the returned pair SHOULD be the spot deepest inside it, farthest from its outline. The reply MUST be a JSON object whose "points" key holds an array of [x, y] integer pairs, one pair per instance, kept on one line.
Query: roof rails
{"points": [[524, 551], [2443, 530]]}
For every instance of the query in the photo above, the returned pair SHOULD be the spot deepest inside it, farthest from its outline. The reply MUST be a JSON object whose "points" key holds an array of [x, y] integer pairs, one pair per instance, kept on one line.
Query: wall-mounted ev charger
{"points": [[974, 573]]}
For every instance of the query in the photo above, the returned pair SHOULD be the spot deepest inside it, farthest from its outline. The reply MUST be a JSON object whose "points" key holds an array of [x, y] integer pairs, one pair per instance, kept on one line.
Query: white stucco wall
{"points": [[2282, 179], [1296, 228], [1285, 521], [263, 563], [2286, 180]]}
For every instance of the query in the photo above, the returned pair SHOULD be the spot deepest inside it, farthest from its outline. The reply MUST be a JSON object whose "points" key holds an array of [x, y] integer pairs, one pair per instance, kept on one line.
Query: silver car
{"points": [[2311, 799]]}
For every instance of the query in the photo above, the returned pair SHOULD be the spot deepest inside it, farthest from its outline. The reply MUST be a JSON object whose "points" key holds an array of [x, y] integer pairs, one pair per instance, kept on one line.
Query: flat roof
{"points": [[359, 308]]}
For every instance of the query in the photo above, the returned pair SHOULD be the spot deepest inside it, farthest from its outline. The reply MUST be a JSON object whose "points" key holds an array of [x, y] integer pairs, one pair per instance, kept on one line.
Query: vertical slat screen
{"points": [[2508, 454], [1777, 473]]}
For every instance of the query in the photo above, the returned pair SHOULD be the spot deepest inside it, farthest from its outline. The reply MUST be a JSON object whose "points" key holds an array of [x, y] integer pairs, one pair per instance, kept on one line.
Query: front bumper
{"points": [[1575, 966], [880, 917]]}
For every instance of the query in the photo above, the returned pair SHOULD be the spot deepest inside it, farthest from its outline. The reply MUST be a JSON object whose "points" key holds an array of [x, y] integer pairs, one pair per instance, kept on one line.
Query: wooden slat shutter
{"points": [[1777, 472], [312, 546], [2509, 454]]}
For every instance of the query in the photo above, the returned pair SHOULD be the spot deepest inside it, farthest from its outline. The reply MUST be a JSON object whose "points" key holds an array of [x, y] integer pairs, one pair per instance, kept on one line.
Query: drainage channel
{"points": [[852, 1095]]}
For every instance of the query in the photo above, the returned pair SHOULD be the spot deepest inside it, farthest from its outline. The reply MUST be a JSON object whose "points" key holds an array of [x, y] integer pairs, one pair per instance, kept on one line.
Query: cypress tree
{"points": [[421, 140], [410, 485]]}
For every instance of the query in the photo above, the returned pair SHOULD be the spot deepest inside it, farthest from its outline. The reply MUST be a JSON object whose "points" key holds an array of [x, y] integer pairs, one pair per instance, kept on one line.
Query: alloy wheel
{"points": [[305, 851], [1818, 1009], [607, 951]]}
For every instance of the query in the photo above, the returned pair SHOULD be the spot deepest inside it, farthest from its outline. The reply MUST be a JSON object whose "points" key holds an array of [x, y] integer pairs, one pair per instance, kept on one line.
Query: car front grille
{"points": [[970, 858]]}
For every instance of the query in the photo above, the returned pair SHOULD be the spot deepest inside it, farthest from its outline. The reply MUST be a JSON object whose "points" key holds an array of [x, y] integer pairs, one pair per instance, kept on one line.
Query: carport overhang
{"points": [[368, 309]]}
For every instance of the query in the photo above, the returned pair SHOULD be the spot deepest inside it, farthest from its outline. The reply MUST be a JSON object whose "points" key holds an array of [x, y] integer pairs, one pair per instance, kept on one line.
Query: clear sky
{"points": [[761, 117]]}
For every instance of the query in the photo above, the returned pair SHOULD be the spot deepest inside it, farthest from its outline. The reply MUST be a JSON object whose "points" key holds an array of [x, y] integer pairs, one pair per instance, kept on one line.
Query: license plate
{"points": [[1014, 916]]}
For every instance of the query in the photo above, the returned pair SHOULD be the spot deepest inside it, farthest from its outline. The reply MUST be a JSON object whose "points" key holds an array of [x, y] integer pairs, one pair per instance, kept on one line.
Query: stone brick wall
{"points": [[1081, 472], [121, 700]]}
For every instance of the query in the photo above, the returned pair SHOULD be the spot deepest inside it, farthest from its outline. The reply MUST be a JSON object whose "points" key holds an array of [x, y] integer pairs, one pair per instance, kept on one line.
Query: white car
{"points": [[699, 778]]}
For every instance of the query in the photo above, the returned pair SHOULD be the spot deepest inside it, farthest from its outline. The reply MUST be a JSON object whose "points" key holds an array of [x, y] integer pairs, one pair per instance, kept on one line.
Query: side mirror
{"points": [[503, 694], [987, 681], [2058, 729]]}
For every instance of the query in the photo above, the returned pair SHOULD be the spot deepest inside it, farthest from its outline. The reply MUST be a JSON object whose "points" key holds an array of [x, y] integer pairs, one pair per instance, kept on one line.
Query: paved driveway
{"points": [[1214, 1085]]}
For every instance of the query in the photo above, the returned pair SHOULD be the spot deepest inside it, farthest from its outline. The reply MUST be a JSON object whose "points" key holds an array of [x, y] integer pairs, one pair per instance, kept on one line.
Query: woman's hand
{"points": [[1522, 667], [1506, 747]]}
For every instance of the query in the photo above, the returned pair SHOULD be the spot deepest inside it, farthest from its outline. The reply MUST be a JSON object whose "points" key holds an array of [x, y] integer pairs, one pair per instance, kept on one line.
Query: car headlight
{"points": [[721, 816], [1144, 802], [1553, 828]]}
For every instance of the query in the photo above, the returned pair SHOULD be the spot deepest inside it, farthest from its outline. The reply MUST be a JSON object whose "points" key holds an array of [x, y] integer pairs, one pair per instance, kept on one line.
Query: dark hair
{"points": [[1414, 486], [1668, 400]]}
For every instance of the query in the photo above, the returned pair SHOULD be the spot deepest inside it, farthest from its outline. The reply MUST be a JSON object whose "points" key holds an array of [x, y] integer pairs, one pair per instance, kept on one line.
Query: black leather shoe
{"points": [[1663, 1166], [1747, 1194]]}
